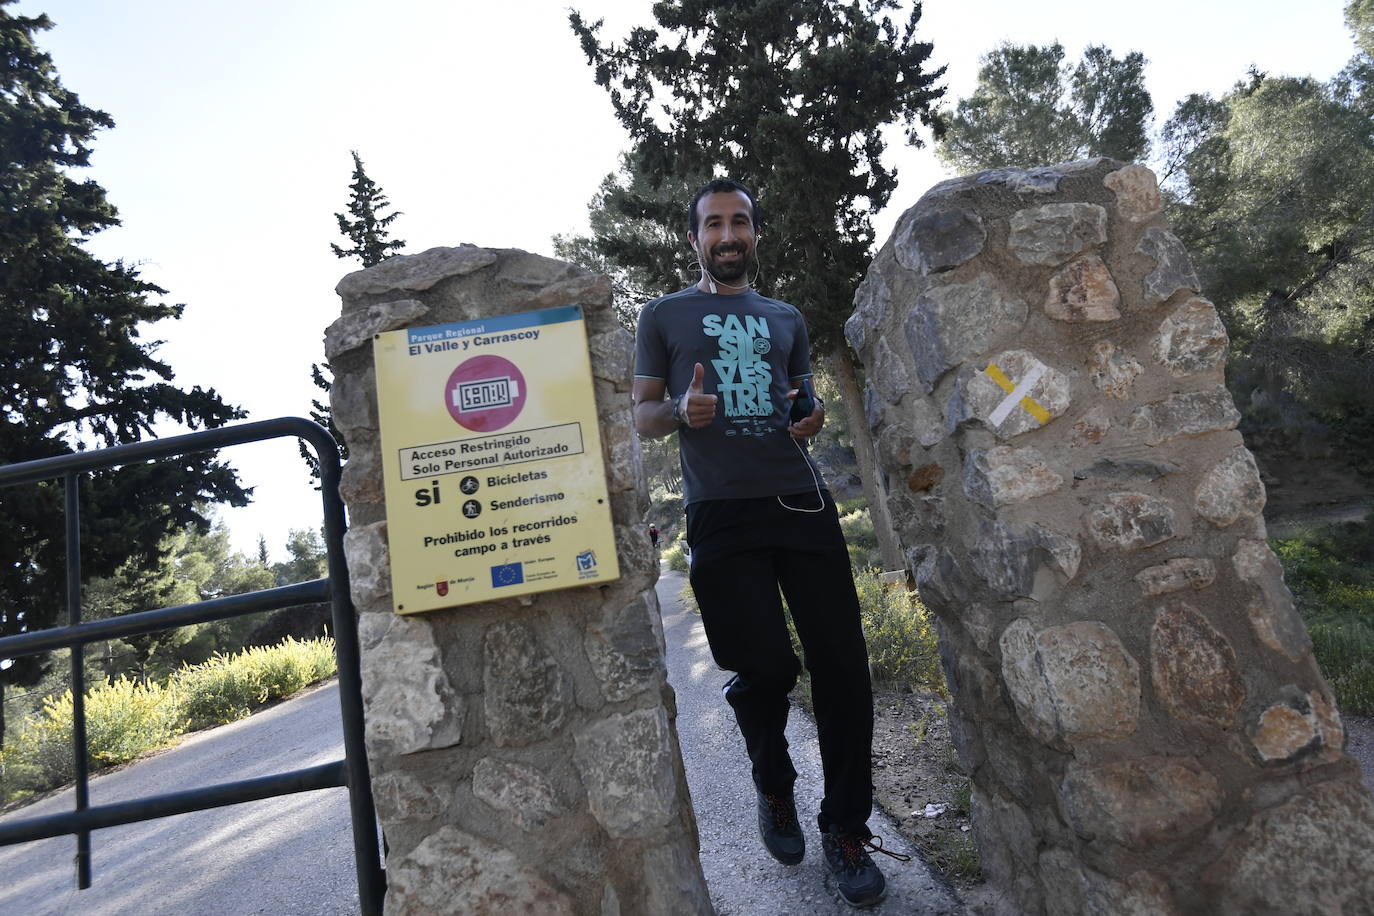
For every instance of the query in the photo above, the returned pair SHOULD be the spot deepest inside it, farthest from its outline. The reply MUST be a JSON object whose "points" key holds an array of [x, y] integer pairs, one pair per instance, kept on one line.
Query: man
{"points": [[758, 519]]}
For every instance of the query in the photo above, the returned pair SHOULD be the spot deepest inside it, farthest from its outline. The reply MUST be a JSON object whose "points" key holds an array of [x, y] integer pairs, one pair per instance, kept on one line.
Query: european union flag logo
{"points": [[509, 574]]}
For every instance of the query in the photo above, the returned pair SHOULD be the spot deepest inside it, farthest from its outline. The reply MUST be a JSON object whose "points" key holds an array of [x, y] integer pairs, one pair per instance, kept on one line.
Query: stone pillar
{"points": [[1135, 696], [524, 752]]}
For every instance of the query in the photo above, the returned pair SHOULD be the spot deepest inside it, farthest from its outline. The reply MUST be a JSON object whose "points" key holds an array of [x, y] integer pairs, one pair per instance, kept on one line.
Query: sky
{"points": [[483, 125]]}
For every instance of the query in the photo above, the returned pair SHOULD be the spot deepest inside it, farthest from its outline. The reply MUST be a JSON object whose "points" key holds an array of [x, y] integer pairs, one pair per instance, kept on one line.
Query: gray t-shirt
{"points": [[754, 351]]}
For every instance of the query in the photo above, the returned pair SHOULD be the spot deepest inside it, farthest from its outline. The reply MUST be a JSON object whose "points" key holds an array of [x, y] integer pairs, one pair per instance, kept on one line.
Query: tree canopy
{"points": [[1031, 108], [368, 227], [75, 371], [1272, 188], [367, 224], [790, 98]]}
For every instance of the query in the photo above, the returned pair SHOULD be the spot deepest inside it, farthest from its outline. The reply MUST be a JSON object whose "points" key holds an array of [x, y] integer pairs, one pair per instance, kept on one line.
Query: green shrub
{"points": [[676, 556], [1330, 571], [229, 687], [1345, 652], [124, 719], [859, 537], [902, 646]]}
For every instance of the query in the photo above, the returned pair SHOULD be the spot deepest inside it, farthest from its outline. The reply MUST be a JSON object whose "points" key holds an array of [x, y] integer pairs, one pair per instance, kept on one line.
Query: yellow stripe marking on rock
{"points": [[1016, 394]]}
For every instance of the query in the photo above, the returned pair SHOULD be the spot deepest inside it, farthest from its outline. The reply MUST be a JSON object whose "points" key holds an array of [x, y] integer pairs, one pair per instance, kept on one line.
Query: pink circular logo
{"points": [[485, 394]]}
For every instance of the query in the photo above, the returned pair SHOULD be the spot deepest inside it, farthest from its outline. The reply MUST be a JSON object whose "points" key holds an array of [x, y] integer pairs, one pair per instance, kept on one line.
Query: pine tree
{"points": [[1030, 108], [366, 226], [790, 97], [74, 370]]}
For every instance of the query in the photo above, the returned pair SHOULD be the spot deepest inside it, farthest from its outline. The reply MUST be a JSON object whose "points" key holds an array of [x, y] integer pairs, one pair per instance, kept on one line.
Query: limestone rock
{"points": [[1194, 668], [927, 423], [1083, 291], [452, 872], [1137, 192], [624, 645], [895, 444], [1139, 803], [1271, 609], [953, 322], [1125, 469], [409, 705], [1002, 475], [1177, 574], [1130, 521], [1231, 490], [673, 882], [940, 241], [1053, 233], [1189, 414], [1013, 394], [888, 374], [1007, 560], [1192, 339], [526, 692], [941, 581], [1173, 269], [402, 796], [613, 355], [1309, 855], [361, 480], [415, 272], [1283, 733], [1071, 888], [1071, 682], [1091, 428], [627, 767], [357, 329], [352, 403], [916, 517], [1043, 180], [871, 302], [369, 566], [1113, 371], [522, 792]]}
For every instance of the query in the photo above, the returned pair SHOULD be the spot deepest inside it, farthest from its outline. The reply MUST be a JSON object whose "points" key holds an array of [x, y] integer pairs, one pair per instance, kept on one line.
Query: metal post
{"points": [[83, 800], [371, 877]]}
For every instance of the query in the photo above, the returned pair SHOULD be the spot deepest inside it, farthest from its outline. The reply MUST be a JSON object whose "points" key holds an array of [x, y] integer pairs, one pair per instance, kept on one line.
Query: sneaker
{"points": [[860, 882], [779, 828]]}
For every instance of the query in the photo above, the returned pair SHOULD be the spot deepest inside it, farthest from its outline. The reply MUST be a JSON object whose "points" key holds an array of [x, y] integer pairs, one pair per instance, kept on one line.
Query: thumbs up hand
{"points": [[697, 408]]}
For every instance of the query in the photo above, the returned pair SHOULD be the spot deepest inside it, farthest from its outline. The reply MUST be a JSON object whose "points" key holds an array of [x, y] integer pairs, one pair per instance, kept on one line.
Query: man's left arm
{"points": [[807, 426]]}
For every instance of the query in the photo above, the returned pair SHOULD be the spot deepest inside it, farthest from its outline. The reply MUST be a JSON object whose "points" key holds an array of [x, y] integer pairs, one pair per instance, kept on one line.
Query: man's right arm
{"points": [[653, 415]]}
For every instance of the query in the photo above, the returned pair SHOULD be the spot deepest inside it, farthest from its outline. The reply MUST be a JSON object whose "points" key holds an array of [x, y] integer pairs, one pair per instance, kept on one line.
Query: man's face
{"points": [[725, 234]]}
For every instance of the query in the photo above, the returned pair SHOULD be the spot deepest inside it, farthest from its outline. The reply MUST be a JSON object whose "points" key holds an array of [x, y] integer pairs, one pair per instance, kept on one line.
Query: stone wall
{"points": [[524, 753], [1135, 697]]}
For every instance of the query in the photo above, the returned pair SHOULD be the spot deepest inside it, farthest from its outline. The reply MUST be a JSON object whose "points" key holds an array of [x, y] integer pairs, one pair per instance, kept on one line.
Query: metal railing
{"points": [[351, 772]]}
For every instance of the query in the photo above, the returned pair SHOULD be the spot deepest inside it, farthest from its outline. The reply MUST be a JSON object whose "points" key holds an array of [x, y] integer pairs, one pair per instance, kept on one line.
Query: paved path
{"points": [[287, 856], [743, 879]]}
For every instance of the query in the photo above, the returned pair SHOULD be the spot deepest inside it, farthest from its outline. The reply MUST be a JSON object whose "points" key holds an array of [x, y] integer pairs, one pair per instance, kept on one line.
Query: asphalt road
{"points": [[744, 880], [287, 855]]}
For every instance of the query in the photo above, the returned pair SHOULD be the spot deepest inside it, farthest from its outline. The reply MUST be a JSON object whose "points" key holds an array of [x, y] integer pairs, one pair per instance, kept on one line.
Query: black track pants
{"points": [[743, 551]]}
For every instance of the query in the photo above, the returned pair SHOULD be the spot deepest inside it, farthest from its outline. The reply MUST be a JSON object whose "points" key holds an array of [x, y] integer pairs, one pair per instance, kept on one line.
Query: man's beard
{"points": [[730, 271]]}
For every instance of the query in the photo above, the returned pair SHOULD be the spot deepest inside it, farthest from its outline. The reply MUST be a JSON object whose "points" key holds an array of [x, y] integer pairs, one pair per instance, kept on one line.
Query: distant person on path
{"points": [[653, 535], [732, 364]]}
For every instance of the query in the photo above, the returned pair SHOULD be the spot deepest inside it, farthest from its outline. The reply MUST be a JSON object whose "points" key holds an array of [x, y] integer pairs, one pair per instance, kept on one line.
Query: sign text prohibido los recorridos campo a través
{"points": [[495, 486]]}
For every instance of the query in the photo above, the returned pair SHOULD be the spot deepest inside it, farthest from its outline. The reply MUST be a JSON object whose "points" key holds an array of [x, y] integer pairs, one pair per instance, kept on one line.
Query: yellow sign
{"points": [[495, 485]]}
